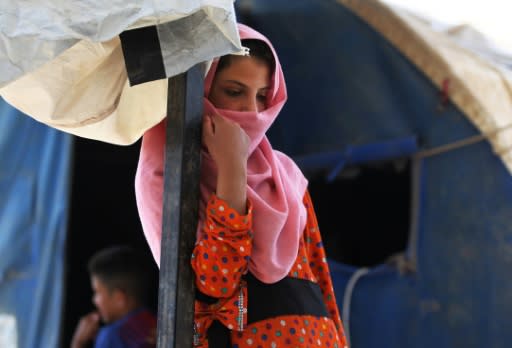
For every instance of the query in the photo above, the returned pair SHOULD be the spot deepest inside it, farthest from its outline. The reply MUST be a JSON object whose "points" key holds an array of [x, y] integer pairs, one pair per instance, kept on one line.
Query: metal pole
{"points": [[180, 210]]}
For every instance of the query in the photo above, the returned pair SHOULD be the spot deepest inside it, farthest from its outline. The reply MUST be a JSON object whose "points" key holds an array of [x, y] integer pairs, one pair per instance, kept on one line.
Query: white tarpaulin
{"points": [[62, 63]]}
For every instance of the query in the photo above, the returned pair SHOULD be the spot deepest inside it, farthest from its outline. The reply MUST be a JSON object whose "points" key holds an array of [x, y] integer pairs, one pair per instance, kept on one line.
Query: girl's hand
{"points": [[227, 142]]}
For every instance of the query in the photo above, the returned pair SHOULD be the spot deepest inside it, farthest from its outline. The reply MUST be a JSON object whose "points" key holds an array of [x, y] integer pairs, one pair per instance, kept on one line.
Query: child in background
{"points": [[119, 282]]}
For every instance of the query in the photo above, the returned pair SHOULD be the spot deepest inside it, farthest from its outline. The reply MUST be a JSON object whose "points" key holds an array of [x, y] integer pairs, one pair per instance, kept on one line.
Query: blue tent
{"points": [[34, 209], [357, 109]]}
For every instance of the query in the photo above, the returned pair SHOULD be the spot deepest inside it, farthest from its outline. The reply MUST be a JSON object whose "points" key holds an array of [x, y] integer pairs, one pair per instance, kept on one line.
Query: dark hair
{"points": [[121, 268], [257, 49]]}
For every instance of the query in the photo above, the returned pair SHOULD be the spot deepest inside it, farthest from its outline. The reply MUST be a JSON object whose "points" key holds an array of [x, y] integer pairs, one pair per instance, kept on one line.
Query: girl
{"points": [[261, 272]]}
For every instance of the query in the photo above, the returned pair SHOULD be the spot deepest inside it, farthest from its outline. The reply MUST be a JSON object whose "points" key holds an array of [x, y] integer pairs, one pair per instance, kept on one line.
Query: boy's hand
{"points": [[86, 330]]}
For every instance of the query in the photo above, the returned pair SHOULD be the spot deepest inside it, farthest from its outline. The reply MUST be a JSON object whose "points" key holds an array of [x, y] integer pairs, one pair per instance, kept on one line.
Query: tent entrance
{"points": [[364, 213], [103, 213]]}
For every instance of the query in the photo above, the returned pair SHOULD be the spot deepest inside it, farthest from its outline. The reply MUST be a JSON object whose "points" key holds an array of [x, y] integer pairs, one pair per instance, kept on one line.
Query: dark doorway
{"points": [[364, 213], [103, 213]]}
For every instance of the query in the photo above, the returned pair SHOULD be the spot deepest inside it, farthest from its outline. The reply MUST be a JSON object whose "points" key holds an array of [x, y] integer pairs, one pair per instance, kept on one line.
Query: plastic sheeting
{"points": [[34, 187], [349, 86], [64, 65], [34, 32]]}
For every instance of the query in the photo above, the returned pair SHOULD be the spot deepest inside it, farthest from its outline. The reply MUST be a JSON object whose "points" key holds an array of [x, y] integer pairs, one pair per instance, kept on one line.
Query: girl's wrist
{"points": [[232, 187], [233, 169]]}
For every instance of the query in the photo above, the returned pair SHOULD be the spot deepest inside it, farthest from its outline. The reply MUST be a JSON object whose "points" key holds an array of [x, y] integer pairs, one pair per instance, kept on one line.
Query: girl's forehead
{"points": [[245, 69]]}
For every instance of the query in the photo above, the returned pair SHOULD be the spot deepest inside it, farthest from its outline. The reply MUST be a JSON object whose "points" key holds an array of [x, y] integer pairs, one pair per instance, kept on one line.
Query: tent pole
{"points": [[180, 209]]}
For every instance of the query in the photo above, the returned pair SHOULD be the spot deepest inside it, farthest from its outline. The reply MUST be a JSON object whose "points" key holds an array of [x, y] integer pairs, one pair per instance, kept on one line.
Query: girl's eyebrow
{"points": [[236, 82], [243, 85]]}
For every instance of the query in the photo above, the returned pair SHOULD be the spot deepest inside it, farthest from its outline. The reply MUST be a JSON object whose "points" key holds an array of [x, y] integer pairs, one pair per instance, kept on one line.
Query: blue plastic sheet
{"points": [[34, 201], [337, 160]]}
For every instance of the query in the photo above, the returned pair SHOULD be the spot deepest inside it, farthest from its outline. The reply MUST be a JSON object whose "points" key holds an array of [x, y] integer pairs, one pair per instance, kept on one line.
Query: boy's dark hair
{"points": [[122, 268], [257, 49]]}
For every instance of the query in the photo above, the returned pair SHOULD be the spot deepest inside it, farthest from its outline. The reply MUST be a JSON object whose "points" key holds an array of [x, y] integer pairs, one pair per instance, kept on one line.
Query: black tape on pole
{"points": [[142, 55]]}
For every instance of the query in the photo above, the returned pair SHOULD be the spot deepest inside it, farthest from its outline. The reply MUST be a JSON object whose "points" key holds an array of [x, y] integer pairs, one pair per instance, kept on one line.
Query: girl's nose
{"points": [[251, 104]]}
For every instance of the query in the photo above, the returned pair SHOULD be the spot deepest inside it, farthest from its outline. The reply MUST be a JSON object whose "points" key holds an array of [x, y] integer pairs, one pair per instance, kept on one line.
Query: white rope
{"points": [[347, 299], [464, 142]]}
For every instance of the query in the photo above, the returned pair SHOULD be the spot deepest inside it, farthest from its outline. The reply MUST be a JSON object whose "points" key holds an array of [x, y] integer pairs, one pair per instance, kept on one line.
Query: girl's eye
{"points": [[233, 92], [262, 98]]}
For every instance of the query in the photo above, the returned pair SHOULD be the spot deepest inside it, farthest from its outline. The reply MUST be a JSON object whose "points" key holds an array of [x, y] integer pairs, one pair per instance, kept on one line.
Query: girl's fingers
{"points": [[218, 119], [208, 126]]}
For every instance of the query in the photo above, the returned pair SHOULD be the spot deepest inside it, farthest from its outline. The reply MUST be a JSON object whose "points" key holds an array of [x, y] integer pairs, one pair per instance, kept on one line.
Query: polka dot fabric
{"points": [[222, 254], [289, 331], [220, 259], [311, 263]]}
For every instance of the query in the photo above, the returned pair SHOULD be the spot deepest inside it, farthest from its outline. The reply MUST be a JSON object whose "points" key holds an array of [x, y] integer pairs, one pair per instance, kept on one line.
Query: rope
{"points": [[347, 298], [464, 142]]}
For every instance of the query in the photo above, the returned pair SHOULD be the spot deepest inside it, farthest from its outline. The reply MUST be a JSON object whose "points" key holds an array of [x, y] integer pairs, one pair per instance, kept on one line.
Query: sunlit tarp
{"points": [[34, 32], [475, 78], [62, 63]]}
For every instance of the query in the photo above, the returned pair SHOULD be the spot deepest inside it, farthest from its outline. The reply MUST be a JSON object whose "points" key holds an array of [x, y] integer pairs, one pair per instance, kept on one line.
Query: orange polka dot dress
{"points": [[234, 309]]}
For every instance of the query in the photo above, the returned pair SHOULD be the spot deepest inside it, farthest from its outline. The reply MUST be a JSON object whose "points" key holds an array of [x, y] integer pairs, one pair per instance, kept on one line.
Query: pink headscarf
{"points": [[275, 185]]}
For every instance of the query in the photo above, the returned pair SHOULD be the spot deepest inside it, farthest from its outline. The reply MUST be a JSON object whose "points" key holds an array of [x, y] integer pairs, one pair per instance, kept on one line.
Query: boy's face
{"points": [[108, 302]]}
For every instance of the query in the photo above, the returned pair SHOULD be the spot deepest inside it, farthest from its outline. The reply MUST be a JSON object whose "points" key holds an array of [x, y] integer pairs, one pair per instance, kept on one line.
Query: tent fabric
{"points": [[336, 161], [34, 205], [81, 86], [85, 91], [35, 32], [471, 39], [362, 90], [481, 88]]}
